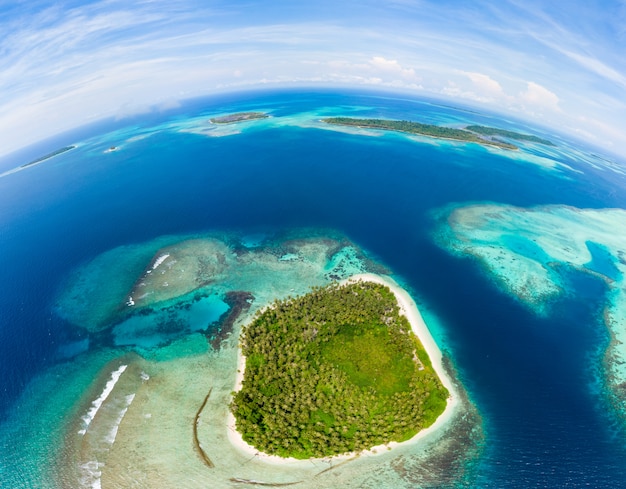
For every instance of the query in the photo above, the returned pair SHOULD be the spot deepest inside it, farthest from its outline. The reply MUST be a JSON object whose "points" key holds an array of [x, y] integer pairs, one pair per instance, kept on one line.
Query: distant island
{"points": [[334, 371], [493, 131], [473, 134], [410, 127], [238, 117], [48, 156]]}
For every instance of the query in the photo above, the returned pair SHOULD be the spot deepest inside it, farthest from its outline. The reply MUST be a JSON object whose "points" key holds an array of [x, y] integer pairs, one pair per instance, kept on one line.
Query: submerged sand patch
{"points": [[180, 269], [165, 273], [525, 252]]}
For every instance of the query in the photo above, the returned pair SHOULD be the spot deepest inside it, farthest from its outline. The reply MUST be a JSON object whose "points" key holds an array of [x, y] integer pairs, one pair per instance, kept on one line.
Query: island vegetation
{"points": [[334, 371], [48, 156], [411, 127], [494, 131], [238, 117]]}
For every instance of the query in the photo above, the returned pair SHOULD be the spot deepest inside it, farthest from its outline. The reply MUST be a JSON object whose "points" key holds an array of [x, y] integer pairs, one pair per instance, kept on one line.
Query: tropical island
{"points": [[334, 371], [238, 117], [472, 134], [48, 156]]}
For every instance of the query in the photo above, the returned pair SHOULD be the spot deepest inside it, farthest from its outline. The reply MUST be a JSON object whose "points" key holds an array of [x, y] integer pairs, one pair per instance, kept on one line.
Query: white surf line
{"points": [[92, 470], [160, 260], [95, 405]]}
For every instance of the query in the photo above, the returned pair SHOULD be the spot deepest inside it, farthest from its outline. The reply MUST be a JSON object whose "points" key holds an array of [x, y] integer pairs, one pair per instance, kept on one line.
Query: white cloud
{"points": [[601, 132], [476, 86], [134, 109], [540, 97], [392, 67], [597, 67], [534, 100], [485, 83], [376, 70]]}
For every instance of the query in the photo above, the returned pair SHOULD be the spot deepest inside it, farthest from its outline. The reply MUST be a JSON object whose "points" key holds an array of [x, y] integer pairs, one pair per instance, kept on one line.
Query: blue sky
{"points": [[559, 63]]}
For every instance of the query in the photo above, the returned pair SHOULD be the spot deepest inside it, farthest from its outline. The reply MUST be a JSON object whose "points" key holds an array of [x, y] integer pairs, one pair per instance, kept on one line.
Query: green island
{"points": [[411, 127], [238, 117], [334, 371], [48, 156], [493, 131]]}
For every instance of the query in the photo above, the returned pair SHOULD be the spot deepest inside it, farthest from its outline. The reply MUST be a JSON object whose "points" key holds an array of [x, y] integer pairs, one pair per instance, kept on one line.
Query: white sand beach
{"points": [[410, 310]]}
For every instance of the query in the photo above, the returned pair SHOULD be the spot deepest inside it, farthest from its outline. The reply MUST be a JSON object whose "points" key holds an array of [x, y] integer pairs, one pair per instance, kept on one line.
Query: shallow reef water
{"points": [[158, 416]]}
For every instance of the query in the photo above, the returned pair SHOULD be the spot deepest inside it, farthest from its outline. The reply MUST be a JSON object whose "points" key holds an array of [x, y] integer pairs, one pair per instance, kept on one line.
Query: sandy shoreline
{"points": [[410, 310]]}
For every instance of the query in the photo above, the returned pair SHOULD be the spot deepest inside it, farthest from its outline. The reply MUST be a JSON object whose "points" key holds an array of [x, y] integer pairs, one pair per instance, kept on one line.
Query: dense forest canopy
{"points": [[334, 371]]}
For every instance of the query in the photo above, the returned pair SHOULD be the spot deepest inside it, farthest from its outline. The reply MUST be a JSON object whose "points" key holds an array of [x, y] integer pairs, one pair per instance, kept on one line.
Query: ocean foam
{"points": [[92, 473], [95, 405], [160, 260]]}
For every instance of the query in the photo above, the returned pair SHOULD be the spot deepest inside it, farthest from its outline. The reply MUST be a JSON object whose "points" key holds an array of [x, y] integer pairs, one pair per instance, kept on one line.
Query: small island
{"points": [[238, 117], [411, 127], [334, 371], [494, 131], [48, 156]]}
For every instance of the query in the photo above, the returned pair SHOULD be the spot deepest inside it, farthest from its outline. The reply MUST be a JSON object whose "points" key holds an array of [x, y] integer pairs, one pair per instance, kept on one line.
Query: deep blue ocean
{"points": [[532, 379]]}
